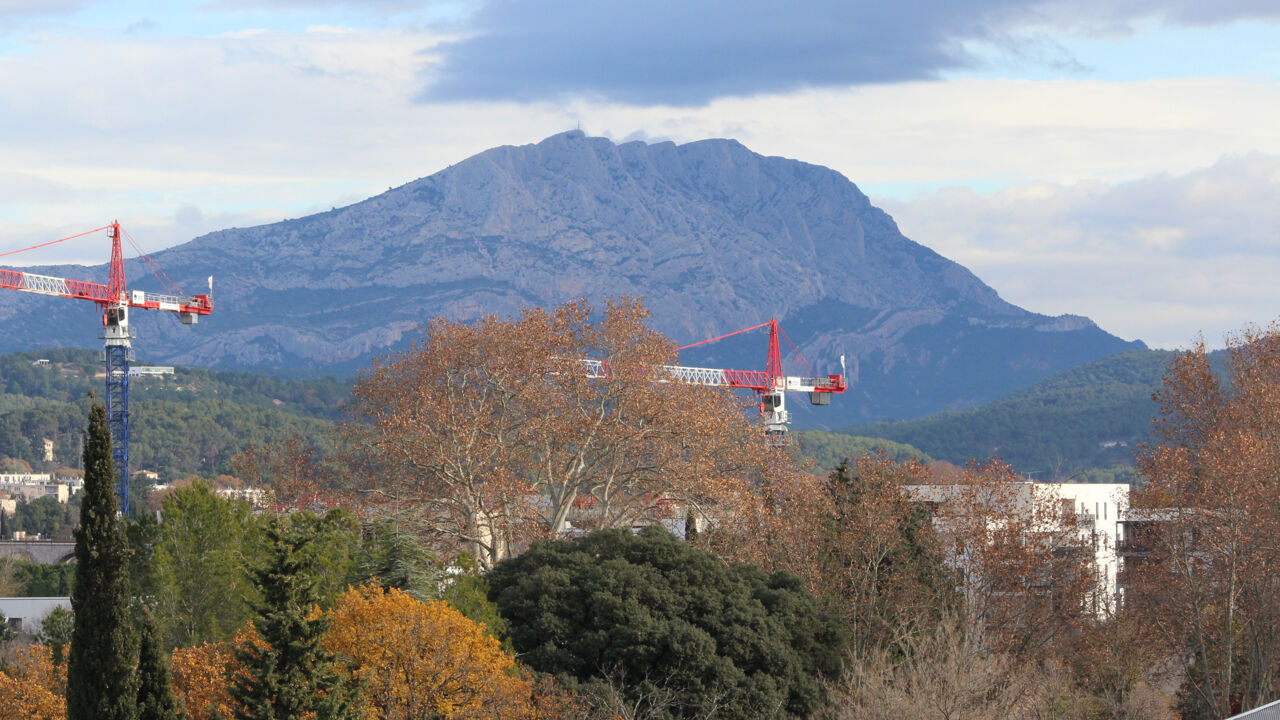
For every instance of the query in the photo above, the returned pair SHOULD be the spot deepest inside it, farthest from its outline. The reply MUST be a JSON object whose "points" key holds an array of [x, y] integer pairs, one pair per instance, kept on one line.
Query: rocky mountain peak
{"points": [[714, 236]]}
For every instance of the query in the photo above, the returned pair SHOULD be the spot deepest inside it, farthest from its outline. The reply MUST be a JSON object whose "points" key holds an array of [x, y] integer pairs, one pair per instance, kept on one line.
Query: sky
{"points": [[1118, 159]]}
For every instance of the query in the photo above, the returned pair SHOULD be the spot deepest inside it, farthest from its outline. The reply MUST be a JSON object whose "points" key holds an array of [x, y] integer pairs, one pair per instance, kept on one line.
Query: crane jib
{"points": [[99, 293]]}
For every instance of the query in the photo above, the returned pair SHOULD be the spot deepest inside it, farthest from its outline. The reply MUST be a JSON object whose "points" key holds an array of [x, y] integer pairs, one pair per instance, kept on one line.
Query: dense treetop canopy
{"points": [[680, 630]]}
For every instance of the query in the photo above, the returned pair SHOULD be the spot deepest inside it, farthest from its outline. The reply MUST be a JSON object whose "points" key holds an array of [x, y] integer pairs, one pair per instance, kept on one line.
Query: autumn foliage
{"points": [[421, 659], [494, 433], [200, 679], [1208, 583], [861, 546], [32, 687]]}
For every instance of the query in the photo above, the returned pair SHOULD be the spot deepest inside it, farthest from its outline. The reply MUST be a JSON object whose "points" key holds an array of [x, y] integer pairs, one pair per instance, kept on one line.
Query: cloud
{"points": [[31, 8], [1162, 258], [380, 7], [256, 127], [686, 54]]}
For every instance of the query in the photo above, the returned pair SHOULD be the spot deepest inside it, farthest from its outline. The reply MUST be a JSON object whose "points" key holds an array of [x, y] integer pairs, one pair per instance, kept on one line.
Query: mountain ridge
{"points": [[714, 236]]}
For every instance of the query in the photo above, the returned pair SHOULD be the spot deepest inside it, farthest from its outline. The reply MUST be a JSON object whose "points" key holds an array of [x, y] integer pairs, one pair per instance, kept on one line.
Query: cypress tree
{"points": [[155, 694], [100, 679], [288, 674]]}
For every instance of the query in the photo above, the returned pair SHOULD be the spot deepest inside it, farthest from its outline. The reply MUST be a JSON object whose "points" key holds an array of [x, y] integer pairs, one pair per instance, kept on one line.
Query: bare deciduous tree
{"points": [[1210, 586], [493, 432], [945, 674], [861, 546], [1026, 560]]}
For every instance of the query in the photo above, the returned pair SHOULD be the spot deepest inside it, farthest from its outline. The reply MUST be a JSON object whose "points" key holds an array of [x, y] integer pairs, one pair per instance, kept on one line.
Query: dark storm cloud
{"points": [[691, 52]]}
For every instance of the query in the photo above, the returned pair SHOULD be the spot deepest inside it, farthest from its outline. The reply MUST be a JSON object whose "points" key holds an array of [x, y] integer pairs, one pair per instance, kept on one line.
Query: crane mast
{"points": [[116, 301]]}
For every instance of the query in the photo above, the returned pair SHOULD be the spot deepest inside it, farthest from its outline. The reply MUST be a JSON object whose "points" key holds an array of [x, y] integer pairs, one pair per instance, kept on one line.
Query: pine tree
{"points": [[100, 679], [155, 693], [287, 672]]}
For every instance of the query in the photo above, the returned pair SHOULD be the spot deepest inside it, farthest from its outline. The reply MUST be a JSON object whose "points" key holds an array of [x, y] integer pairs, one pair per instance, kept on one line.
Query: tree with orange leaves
{"points": [[494, 433], [32, 687], [1209, 522], [200, 679], [423, 659]]}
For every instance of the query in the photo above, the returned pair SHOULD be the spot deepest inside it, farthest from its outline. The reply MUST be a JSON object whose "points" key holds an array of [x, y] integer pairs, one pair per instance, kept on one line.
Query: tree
{"points": [[55, 632], [495, 433], [288, 467], [423, 659], [201, 555], [942, 674], [397, 559], [1209, 586], [46, 516], [155, 693], [32, 687], [1025, 558], [670, 629], [331, 554], [7, 633], [861, 546], [286, 672], [202, 678], [45, 580], [100, 681]]}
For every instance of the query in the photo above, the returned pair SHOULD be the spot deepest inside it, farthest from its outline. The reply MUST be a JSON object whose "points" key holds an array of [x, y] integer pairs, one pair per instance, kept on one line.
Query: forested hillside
{"points": [[191, 422], [827, 449], [1087, 418]]}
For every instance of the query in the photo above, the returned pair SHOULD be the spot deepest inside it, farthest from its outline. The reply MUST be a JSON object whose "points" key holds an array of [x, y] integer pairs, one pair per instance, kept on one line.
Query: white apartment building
{"points": [[1097, 508], [32, 486]]}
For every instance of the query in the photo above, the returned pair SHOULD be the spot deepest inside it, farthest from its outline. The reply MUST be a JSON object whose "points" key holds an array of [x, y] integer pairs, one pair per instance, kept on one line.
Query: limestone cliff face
{"points": [[714, 236]]}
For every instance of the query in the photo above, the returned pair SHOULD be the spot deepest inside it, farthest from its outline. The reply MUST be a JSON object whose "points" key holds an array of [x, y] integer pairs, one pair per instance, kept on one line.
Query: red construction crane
{"points": [[770, 384], [115, 300]]}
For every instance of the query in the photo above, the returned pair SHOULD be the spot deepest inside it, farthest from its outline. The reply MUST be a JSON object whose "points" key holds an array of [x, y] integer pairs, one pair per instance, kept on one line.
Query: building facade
{"points": [[1088, 512]]}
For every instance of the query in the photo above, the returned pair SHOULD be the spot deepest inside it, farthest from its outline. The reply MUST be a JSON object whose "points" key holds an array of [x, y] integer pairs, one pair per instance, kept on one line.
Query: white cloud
{"points": [[1161, 258], [1115, 202]]}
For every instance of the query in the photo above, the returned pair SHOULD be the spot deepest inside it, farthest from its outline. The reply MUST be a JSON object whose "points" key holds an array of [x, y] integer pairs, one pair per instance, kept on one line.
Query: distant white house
{"points": [[255, 496], [25, 614]]}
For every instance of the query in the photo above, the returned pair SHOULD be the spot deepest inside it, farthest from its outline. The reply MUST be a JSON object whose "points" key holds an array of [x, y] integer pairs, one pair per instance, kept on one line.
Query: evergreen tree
{"points": [[668, 631], [100, 680], [7, 633], [55, 633], [155, 694], [287, 674]]}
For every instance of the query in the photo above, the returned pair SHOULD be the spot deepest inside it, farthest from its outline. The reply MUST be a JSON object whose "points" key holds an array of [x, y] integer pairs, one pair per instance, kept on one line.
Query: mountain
{"points": [[714, 236], [1093, 416]]}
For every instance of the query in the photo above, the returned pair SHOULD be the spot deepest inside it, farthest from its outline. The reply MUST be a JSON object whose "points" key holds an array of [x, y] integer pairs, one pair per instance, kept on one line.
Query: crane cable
{"points": [[156, 272], [795, 351], [54, 242]]}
